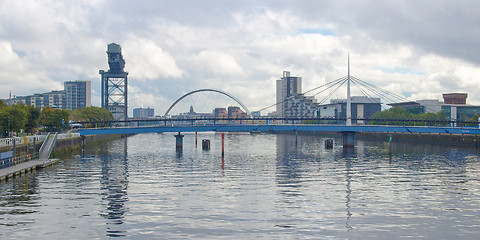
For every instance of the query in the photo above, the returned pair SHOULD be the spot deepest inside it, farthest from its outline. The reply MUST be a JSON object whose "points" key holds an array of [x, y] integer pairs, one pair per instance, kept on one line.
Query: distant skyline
{"points": [[419, 49]]}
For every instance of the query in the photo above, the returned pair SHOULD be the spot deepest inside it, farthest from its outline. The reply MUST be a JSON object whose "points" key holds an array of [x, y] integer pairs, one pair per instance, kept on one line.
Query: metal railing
{"points": [[44, 143], [52, 145], [8, 162], [4, 142], [276, 120]]}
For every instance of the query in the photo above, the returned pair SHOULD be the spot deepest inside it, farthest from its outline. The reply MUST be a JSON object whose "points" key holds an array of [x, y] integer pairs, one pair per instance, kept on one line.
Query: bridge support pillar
{"points": [[179, 142], [348, 139]]}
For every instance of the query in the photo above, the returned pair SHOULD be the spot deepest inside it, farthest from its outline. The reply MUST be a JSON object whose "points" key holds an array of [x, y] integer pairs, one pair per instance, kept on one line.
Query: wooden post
{"points": [[223, 144]]}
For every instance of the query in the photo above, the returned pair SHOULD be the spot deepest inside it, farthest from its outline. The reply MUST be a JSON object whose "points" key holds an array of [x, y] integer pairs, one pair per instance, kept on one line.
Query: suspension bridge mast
{"points": [[114, 84], [349, 101]]}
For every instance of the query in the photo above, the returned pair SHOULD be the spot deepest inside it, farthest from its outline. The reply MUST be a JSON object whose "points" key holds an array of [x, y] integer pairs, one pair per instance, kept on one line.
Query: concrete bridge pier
{"points": [[179, 142], [348, 139]]}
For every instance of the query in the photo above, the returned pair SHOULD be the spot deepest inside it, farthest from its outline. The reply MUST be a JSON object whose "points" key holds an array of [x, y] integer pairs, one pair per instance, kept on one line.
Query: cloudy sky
{"points": [[419, 49]]}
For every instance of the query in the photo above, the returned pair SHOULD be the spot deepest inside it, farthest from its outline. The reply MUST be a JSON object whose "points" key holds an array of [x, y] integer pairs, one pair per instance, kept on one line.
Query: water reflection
{"points": [[114, 184], [19, 196], [348, 178], [267, 187]]}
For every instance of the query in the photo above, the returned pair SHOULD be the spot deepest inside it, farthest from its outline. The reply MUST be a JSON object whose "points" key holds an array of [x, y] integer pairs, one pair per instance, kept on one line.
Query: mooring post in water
{"points": [[296, 138], [205, 144], [390, 147], [223, 144], [348, 139], [179, 142], [196, 140]]}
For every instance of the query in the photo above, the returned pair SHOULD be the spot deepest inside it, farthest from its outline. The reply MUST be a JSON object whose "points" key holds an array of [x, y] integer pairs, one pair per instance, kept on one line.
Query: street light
{"points": [[8, 126]]}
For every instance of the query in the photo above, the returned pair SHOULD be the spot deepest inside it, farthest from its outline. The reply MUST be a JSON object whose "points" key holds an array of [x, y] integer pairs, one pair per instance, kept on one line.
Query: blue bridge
{"points": [[267, 125]]}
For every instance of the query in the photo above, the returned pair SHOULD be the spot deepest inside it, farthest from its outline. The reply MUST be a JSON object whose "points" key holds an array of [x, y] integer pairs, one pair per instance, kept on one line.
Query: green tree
{"points": [[3, 104], [92, 114], [13, 119], [387, 117], [54, 119], [33, 119]]}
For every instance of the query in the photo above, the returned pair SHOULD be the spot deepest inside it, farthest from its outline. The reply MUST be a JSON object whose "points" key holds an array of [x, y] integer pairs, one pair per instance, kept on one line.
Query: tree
{"points": [[396, 115], [3, 104], [12, 119], [33, 119], [54, 119], [391, 116], [91, 114]]}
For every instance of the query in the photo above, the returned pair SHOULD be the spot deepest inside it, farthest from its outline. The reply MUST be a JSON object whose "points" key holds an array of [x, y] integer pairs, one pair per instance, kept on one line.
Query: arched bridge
{"points": [[208, 90]]}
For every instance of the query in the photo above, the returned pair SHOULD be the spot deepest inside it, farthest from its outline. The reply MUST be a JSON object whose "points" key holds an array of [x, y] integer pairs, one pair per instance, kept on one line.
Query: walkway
{"points": [[29, 166], [42, 162]]}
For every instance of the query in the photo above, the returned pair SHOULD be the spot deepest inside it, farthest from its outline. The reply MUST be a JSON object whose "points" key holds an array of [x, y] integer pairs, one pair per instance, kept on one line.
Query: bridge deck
{"points": [[280, 128]]}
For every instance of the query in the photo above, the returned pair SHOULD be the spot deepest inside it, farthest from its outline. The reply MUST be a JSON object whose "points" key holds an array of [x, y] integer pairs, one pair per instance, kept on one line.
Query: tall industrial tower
{"points": [[114, 83]]}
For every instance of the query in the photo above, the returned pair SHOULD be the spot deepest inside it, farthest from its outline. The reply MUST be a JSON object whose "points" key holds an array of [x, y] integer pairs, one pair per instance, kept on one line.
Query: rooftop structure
{"points": [[455, 98]]}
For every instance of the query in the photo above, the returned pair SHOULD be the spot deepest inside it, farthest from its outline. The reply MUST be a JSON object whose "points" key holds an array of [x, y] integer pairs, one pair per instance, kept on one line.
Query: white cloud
{"points": [[220, 63], [147, 60], [16, 74], [241, 47]]}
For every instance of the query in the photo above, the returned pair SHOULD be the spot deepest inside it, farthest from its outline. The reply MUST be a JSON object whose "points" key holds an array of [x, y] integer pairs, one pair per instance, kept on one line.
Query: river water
{"points": [[267, 186]]}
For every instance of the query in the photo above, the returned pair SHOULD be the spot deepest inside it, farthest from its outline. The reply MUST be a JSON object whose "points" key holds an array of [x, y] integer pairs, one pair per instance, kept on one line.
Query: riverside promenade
{"points": [[21, 168], [42, 161]]}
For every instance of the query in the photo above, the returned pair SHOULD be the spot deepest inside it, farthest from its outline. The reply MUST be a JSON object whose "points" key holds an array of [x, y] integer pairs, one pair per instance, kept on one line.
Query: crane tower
{"points": [[114, 84]]}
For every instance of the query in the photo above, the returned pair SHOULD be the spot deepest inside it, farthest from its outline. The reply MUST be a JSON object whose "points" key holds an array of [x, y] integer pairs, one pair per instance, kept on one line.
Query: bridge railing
{"points": [[275, 121]]}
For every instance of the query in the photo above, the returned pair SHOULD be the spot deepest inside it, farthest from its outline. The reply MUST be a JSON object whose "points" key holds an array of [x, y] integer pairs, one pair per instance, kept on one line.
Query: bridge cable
{"points": [[376, 89], [340, 81], [370, 98], [331, 93], [329, 83]]}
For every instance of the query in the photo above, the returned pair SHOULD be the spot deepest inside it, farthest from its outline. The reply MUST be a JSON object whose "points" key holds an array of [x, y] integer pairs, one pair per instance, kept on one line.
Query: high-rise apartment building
{"points": [[287, 87], [143, 112], [77, 94]]}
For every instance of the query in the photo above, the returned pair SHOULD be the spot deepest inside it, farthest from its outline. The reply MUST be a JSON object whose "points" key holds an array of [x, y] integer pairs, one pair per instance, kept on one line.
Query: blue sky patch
{"points": [[324, 32]]}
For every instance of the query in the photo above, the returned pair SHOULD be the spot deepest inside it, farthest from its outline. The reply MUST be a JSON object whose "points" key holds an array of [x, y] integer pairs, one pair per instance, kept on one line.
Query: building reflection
{"points": [[287, 169]]}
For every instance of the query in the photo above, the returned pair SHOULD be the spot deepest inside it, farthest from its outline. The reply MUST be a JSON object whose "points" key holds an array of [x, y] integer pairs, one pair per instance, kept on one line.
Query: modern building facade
{"points": [[53, 99], [454, 105], [236, 112], [299, 106], [78, 94], [362, 108], [420, 106], [139, 113]]}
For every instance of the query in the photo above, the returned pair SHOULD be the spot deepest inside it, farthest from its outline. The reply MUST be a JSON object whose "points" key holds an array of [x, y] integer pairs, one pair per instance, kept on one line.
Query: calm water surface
{"points": [[266, 187]]}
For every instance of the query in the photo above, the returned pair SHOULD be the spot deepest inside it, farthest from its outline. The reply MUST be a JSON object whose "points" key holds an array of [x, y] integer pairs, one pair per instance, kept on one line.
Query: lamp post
{"points": [[8, 126]]}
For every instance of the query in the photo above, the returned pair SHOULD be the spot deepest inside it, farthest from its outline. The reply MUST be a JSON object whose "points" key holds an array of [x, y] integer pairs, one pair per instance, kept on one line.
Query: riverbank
{"points": [[455, 140], [63, 148]]}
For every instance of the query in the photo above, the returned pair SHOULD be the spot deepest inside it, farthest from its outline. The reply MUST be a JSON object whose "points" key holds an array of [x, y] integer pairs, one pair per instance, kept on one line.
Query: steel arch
{"points": [[208, 90]]}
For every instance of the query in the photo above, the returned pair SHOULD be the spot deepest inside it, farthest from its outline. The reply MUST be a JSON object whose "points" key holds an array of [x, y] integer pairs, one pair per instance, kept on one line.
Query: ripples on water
{"points": [[267, 186]]}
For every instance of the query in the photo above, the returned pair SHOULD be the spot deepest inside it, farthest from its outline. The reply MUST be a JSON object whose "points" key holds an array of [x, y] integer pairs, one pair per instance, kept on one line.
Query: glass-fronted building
{"points": [[362, 108]]}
